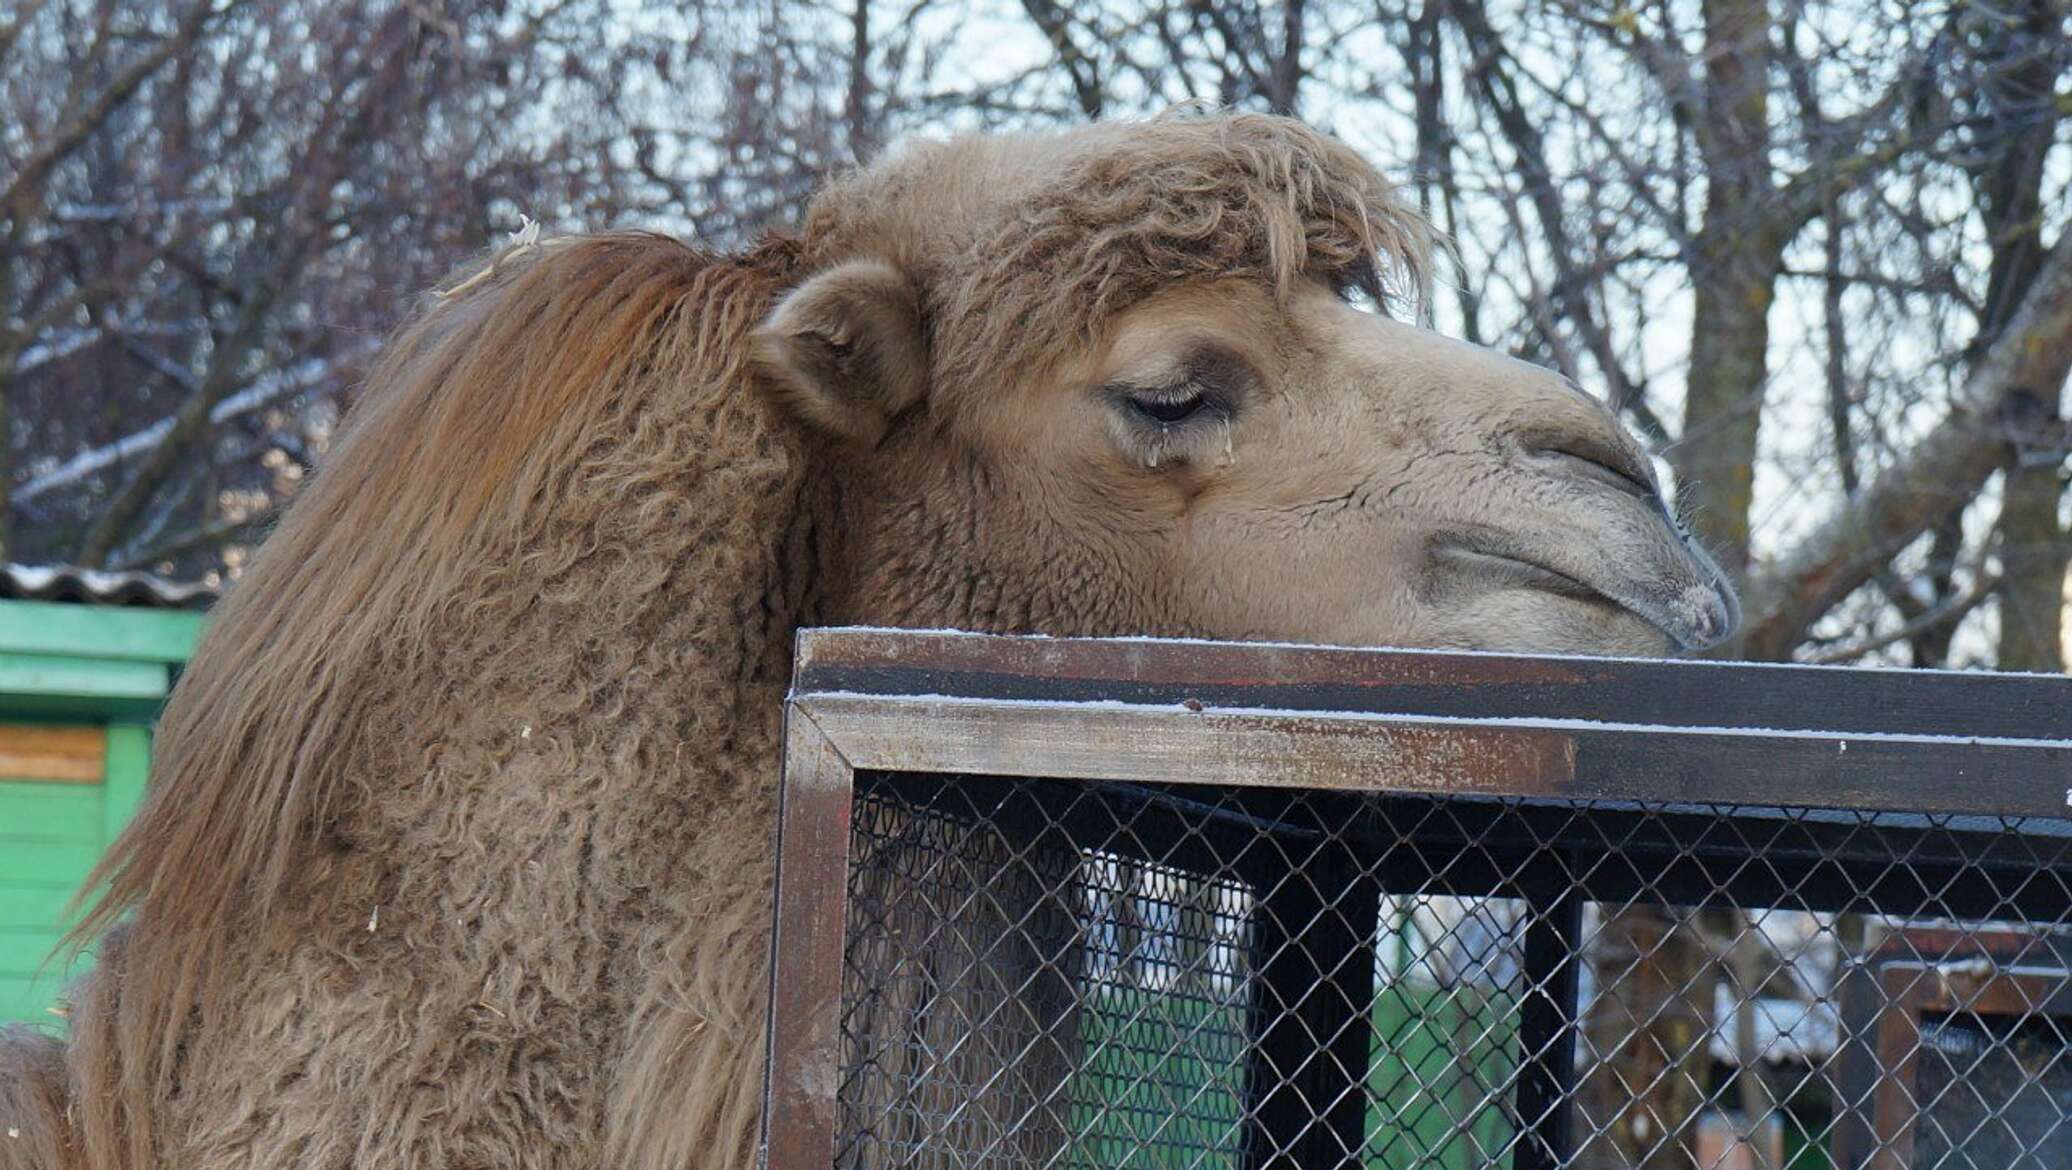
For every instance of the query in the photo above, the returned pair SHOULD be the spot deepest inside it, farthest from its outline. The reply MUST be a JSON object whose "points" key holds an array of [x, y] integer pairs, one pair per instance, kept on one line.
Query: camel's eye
{"points": [[1168, 411], [1207, 385], [1179, 413]]}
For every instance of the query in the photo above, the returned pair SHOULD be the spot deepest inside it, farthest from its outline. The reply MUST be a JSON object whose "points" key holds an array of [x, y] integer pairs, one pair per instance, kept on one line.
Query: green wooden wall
{"points": [[50, 836], [65, 665]]}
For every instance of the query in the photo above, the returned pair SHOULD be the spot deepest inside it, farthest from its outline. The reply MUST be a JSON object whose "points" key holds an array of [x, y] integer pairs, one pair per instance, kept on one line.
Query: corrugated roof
{"points": [[96, 587], [1783, 1029]]}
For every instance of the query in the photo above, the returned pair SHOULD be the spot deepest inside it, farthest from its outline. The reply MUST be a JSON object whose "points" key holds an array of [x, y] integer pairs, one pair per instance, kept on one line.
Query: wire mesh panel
{"points": [[1014, 998], [1153, 977], [1052, 904]]}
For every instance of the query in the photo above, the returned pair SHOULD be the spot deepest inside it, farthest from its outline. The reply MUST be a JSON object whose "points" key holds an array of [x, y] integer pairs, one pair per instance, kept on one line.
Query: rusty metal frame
{"points": [[1912, 991], [1431, 723]]}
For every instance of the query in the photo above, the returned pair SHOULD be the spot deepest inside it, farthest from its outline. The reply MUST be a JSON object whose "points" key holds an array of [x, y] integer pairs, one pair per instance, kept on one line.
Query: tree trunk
{"points": [[2034, 553], [1747, 973], [1738, 255], [2035, 547], [1723, 405], [1649, 1028], [862, 140], [1646, 1030], [10, 354]]}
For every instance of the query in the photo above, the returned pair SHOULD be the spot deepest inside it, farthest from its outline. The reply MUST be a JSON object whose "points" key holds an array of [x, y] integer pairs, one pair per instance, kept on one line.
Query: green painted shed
{"points": [[86, 659]]}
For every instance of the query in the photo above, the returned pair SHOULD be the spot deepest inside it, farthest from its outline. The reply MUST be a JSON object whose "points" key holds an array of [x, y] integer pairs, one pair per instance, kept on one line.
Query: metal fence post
{"points": [[1314, 950], [1548, 1016]]}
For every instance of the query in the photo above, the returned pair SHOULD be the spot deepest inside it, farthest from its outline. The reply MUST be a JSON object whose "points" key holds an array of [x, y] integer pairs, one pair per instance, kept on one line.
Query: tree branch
{"points": [[1844, 154], [1236, 44], [1571, 290], [74, 132], [11, 31], [1054, 22], [257, 395], [208, 535], [1664, 60], [1951, 462], [1947, 613], [186, 425]]}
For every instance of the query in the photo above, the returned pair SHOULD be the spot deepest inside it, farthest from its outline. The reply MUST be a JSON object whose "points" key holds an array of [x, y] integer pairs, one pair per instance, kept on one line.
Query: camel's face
{"points": [[1315, 472], [1081, 388], [1226, 466]]}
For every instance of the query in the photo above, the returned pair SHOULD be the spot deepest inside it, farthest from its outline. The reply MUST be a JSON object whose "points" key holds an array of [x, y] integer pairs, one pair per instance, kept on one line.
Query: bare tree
{"points": [[202, 247], [71, 75]]}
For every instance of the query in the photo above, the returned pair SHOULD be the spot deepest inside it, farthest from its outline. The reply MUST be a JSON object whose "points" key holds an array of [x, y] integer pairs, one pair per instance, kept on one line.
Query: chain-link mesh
{"points": [[1045, 975]]}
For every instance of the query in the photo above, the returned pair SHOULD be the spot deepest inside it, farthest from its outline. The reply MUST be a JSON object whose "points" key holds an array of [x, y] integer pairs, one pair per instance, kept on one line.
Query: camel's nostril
{"points": [[1707, 615], [1599, 462], [1711, 613]]}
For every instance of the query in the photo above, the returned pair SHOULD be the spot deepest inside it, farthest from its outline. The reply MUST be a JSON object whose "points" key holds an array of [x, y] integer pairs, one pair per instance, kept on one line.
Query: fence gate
{"points": [[1053, 904]]}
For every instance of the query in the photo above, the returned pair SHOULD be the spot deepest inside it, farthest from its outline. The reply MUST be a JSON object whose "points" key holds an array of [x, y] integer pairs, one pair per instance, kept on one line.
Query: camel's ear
{"points": [[844, 350]]}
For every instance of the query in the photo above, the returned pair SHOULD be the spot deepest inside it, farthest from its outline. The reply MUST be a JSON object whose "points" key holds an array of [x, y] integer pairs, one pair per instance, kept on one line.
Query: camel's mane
{"points": [[462, 441]]}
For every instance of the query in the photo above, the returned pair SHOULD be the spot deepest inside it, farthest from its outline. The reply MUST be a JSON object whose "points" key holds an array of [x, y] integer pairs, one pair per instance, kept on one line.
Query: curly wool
{"points": [[429, 790], [1128, 208]]}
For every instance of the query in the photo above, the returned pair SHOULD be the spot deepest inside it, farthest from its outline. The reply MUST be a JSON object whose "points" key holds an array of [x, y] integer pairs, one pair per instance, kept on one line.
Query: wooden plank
{"points": [[23, 907], [40, 811], [56, 679], [803, 1066], [65, 755], [33, 979], [86, 631], [25, 950], [1683, 693], [1523, 758], [28, 1000], [129, 767], [1112, 742], [45, 864]]}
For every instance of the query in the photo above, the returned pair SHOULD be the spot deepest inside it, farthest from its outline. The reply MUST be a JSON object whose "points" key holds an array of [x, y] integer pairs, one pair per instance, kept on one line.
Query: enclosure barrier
{"points": [[1138, 905]]}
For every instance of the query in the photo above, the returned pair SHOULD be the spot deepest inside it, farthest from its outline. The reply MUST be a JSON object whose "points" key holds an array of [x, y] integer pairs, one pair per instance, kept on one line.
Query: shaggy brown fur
{"points": [[457, 850], [402, 892]]}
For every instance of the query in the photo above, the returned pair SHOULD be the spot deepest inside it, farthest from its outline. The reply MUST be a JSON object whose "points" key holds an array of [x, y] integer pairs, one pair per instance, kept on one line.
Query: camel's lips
{"points": [[1695, 615]]}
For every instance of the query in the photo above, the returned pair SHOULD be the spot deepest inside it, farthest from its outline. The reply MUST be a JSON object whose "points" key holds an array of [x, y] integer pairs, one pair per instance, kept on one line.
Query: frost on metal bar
{"points": [[1680, 924]]}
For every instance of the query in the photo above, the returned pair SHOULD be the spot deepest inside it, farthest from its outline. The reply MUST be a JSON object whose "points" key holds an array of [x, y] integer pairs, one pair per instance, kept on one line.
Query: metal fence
{"points": [[1141, 906]]}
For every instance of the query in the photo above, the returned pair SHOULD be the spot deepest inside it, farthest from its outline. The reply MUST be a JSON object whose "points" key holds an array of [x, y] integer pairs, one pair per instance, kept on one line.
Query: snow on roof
{"points": [[98, 587]]}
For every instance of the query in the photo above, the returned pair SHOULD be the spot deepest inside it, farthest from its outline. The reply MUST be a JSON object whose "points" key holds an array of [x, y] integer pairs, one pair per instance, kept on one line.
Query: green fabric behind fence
{"points": [[1164, 1083], [1446, 1054]]}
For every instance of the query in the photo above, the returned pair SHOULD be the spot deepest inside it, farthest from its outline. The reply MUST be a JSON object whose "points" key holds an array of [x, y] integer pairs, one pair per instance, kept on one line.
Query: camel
{"points": [[458, 850]]}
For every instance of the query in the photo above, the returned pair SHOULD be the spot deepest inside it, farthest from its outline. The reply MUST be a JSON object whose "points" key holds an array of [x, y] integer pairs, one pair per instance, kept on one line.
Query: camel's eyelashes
{"points": [[1168, 412], [1205, 387]]}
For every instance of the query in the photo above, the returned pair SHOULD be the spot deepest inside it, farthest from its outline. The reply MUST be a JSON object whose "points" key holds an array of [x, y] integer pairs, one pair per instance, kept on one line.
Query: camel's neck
{"points": [[941, 540]]}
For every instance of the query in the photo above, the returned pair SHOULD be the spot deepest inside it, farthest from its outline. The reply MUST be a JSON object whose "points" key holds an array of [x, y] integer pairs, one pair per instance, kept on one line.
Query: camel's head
{"points": [[1114, 381]]}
